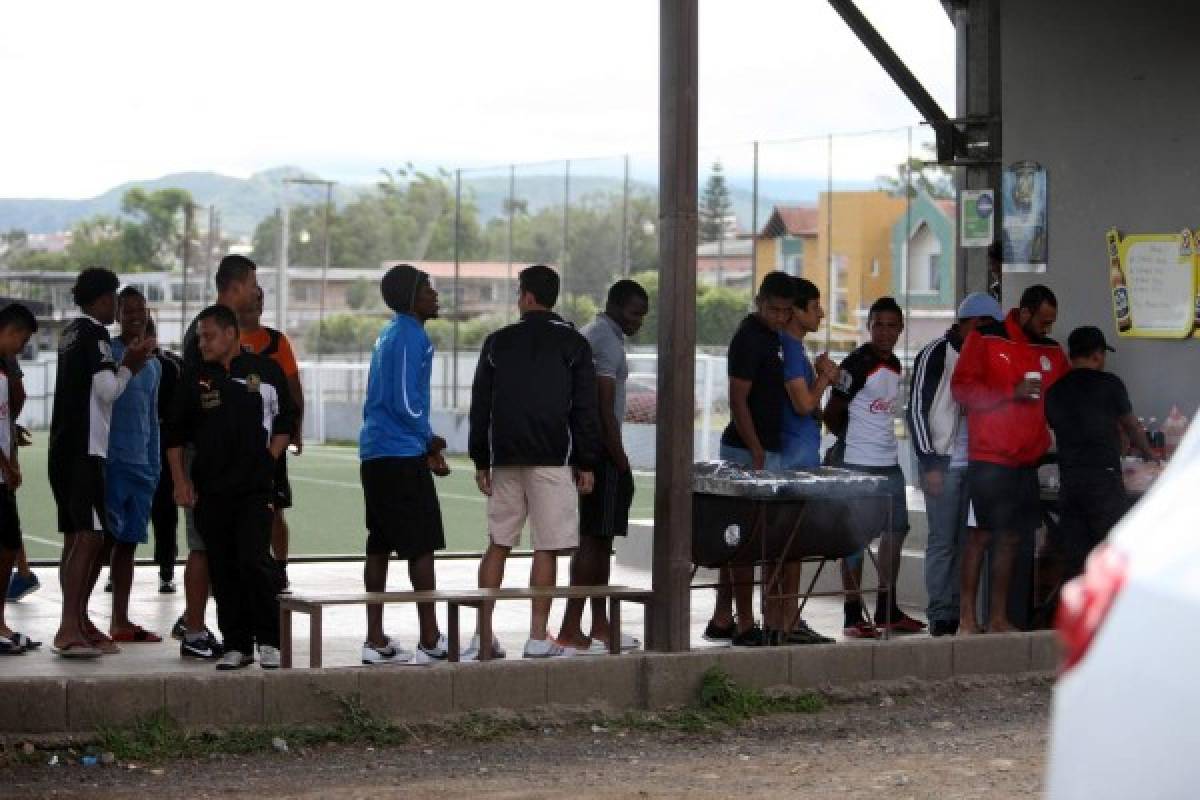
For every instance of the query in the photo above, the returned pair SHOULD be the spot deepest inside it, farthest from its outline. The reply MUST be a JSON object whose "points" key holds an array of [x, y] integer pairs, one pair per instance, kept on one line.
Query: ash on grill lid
{"points": [[733, 480]]}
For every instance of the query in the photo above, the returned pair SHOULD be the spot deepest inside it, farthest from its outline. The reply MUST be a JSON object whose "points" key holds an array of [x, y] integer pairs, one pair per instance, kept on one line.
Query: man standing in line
{"points": [[1001, 379], [1088, 409], [237, 290], [801, 437], [133, 466], [17, 324], [535, 440], [237, 412], [939, 437], [604, 513], [164, 514], [24, 581], [861, 411], [400, 455], [753, 437], [87, 383], [275, 345]]}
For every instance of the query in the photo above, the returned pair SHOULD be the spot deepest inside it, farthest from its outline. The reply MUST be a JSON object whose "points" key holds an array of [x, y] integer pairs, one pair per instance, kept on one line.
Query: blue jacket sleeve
{"points": [[409, 398]]}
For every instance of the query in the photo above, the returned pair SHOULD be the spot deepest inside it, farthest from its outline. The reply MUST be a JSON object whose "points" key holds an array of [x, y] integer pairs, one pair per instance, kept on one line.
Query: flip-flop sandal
{"points": [[138, 634], [10, 648], [24, 641], [75, 650], [104, 644]]}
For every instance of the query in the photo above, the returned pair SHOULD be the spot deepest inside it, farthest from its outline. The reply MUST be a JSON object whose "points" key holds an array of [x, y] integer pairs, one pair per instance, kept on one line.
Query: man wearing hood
{"points": [[399, 456], [939, 437]]}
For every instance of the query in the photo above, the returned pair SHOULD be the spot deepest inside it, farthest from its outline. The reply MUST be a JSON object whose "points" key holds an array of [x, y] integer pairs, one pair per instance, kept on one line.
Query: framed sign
{"points": [[1025, 210], [1153, 280], [977, 218]]}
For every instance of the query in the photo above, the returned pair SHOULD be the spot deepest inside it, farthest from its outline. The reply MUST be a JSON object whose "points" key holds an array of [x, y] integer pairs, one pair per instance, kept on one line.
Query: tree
{"points": [[919, 175], [344, 333], [362, 294], [718, 312], [715, 206]]}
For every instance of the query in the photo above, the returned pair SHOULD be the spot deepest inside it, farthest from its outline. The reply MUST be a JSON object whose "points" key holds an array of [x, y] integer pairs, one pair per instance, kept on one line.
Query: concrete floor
{"points": [[38, 614]]}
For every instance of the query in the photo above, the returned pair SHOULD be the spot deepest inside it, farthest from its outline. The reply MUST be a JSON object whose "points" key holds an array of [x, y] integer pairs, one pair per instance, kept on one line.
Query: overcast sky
{"points": [[101, 93]]}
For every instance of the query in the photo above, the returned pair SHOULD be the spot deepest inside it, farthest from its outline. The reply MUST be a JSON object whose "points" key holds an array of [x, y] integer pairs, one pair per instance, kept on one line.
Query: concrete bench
{"points": [[313, 605]]}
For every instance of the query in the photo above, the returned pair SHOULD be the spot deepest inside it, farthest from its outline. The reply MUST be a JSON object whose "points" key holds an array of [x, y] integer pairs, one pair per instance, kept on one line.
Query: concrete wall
{"points": [[1103, 94]]}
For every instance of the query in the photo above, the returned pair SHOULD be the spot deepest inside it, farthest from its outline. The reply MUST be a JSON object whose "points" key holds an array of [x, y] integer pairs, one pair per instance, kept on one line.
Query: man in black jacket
{"points": [[534, 440], [236, 410]]}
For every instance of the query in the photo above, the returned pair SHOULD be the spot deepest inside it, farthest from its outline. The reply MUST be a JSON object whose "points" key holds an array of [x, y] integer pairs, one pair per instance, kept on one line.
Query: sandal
{"points": [[8, 647], [137, 634], [24, 641], [75, 650], [103, 644]]}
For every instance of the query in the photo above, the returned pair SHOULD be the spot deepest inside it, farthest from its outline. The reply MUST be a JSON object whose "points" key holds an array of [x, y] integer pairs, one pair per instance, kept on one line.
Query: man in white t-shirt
{"points": [[17, 324], [862, 413]]}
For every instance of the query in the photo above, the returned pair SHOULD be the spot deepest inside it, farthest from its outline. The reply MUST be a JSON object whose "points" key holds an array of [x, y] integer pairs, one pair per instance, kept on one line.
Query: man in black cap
{"points": [[1087, 409]]}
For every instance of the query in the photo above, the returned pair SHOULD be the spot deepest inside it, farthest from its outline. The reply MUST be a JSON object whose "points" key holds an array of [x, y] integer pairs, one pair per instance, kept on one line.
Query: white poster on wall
{"points": [[977, 218]]}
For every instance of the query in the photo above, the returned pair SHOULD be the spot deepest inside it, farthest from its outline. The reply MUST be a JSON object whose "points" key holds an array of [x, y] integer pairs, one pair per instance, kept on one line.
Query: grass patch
{"points": [[720, 702]]}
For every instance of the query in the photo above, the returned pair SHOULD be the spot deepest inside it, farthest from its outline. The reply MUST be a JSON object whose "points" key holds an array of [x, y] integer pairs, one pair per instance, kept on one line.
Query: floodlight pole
{"points": [[670, 618], [324, 264]]}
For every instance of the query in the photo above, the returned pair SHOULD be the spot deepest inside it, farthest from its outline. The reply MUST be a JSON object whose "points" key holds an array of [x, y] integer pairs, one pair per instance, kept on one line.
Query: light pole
{"points": [[283, 285]]}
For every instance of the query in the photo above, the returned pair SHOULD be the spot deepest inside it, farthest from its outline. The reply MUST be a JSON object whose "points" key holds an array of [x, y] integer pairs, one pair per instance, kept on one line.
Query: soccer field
{"points": [[327, 518]]}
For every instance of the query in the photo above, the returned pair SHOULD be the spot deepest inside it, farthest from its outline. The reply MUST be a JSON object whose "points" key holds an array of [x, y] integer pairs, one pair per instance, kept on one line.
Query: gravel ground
{"points": [[964, 738]]}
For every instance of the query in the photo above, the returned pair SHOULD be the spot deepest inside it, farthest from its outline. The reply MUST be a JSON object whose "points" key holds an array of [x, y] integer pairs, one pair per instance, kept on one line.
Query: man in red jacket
{"points": [[1001, 381]]}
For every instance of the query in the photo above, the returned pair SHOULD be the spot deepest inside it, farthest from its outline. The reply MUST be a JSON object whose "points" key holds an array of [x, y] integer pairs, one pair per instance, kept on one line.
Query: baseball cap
{"points": [[1087, 340], [980, 304]]}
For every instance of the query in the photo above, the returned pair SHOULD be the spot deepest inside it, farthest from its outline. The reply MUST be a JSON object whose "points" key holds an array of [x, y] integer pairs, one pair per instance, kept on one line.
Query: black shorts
{"points": [[403, 513], [281, 490], [1005, 499], [78, 487], [604, 513], [10, 523]]}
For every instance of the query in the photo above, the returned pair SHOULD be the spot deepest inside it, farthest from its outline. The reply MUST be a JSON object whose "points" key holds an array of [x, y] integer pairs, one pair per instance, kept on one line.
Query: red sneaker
{"points": [[861, 630], [903, 624]]}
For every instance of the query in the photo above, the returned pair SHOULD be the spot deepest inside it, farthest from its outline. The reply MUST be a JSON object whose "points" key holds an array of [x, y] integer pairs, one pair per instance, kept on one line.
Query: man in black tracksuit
{"points": [[236, 410], [535, 438]]}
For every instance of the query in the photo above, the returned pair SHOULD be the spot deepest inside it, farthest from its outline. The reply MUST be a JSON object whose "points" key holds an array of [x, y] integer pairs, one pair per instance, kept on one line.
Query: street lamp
{"points": [[282, 283]]}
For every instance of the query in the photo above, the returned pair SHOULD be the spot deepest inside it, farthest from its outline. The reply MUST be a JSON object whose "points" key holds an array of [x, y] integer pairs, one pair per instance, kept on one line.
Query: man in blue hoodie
{"points": [[133, 465], [400, 455]]}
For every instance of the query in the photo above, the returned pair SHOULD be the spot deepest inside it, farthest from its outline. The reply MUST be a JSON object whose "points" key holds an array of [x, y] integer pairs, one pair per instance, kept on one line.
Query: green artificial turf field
{"points": [[327, 517]]}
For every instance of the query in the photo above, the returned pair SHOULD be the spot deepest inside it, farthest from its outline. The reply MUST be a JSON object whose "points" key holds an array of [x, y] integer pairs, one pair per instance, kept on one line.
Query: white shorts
{"points": [[546, 496]]}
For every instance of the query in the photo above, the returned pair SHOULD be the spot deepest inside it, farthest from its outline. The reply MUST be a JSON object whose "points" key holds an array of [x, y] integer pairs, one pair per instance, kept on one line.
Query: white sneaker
{"points": [[235, 659], [472, 651], [599, 647], [431, 655], [546, 648], [268, 656], [393, 653]]}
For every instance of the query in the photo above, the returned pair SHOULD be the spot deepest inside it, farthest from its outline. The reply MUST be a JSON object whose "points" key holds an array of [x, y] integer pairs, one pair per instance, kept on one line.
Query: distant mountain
{"points": [[243, 203]]}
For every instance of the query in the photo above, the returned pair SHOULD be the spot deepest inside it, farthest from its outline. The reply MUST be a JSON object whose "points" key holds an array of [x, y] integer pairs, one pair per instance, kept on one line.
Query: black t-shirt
{"points": [[1083, 408], [756, 355], [79, 426]]}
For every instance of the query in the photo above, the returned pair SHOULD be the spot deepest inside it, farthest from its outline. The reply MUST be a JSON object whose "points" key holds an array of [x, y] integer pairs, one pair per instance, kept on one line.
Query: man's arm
{"points": [[610, 427], [837, 414], [739, 407], [284, 424], [584, 419], [297, 392], [1137, 436], [480, 415], [976, 384], [928, 371]]}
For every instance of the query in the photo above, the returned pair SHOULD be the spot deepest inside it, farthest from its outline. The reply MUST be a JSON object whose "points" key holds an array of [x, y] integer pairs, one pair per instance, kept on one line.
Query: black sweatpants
{"points": [[164, 518], [237, 534], [1090, 503]]}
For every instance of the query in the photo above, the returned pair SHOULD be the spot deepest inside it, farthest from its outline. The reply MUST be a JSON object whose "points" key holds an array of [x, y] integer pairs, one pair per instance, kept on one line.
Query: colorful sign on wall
{"points": [[1154, 283]]}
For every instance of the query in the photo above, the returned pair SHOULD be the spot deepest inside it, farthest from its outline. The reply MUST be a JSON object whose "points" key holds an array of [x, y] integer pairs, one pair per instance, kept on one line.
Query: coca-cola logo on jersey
{"points": [[882, 406]]}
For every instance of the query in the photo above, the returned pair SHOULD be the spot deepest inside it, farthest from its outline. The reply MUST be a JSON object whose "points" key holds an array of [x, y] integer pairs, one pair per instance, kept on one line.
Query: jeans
{"points": [[946, 514], [740, 455]]}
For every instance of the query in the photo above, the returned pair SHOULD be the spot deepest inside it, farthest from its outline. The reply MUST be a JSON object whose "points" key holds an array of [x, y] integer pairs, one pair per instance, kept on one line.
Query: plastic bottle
{"points": [[1173, 430]]}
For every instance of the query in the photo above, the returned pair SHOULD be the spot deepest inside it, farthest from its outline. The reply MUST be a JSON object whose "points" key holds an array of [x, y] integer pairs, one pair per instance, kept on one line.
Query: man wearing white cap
{"points": [[939, 436]]}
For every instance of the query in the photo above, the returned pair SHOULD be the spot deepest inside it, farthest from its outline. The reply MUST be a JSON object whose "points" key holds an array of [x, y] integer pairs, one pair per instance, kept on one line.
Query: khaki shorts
{"points": [[546, 496]]}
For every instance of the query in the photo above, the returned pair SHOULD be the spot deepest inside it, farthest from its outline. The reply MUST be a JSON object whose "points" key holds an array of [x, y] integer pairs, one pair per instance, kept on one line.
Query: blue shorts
{"points": [[740, 455], [129, 495]]}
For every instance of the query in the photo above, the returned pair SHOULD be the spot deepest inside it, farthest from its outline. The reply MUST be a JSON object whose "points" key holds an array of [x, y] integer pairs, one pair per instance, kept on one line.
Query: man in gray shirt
{"points": [[604, 513]]}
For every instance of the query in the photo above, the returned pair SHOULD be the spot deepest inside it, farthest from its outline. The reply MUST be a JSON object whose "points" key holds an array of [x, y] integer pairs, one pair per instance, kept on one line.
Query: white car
{"points": [[1126, 720]]}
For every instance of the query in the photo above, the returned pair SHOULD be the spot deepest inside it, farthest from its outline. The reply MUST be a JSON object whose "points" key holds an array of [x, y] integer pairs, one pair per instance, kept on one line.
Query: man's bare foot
{"points": [[1001, 626], [968, 628], [577, 641]]}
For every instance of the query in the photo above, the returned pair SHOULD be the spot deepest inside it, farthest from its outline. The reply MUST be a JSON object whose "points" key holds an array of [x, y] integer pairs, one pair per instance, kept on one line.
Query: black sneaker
{"points": [[166, 586], [803, 634], [942, 627], [207, 649], [752, 637], [179, 629], [715, 633]]}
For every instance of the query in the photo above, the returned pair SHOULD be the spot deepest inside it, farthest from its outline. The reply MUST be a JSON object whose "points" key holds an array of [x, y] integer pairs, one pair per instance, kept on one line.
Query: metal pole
{"points": [[209, 250], [566, 249], [754, 226], [832, 317], [625, 220], [669, 625], [324, 278], [512, 202], [281, 283], [188, 209], [454, 327]]}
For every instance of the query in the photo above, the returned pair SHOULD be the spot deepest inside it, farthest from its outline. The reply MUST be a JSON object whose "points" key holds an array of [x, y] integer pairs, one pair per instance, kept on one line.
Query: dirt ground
{"points": [[965, 738]]}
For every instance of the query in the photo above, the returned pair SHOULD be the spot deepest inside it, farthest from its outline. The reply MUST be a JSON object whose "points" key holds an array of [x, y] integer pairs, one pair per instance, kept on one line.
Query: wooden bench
{"points": [[313, 605]]}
